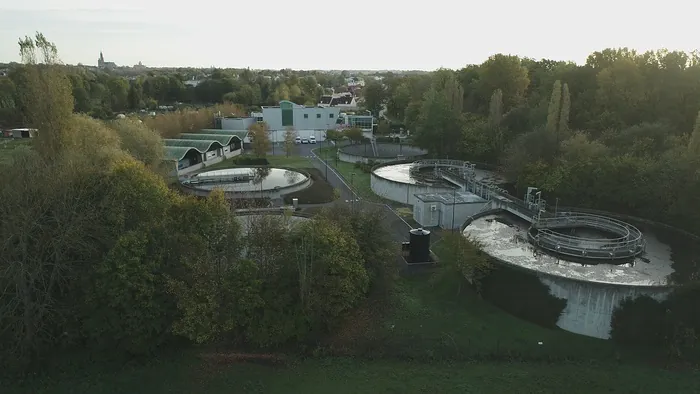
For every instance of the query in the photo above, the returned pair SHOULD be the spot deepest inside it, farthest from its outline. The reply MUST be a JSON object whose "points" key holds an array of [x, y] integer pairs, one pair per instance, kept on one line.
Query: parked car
{"points": [[304, 140], [312, 140]]}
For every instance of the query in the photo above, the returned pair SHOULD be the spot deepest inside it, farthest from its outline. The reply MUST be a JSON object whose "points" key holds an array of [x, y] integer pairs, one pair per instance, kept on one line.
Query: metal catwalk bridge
{"points": [[622, 241]]}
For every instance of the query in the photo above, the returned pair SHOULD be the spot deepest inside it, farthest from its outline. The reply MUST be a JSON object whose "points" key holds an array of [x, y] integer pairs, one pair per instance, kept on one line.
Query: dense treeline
{"points": [[103, 94], [99, 254]]}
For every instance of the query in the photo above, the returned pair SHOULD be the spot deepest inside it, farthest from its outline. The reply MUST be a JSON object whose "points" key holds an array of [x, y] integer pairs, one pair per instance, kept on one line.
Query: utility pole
{"points": [[352, 191], [324, 148]]}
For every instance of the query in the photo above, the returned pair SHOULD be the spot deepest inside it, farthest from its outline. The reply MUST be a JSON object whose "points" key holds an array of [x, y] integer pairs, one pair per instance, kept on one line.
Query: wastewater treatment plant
{"points": [[586, 261], [573, 265]]}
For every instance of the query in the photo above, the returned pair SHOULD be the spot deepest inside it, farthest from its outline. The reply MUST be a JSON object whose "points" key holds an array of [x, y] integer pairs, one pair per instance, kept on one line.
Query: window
{"points": [[318, 116], [330, 116], [306, 116]]}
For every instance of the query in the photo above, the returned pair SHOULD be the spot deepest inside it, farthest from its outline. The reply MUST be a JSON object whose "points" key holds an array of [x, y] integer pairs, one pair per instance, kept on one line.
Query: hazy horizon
{"points": [[317, 35]]}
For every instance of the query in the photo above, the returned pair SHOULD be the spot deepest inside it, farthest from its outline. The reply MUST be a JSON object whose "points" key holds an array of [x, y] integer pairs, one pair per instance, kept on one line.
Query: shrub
{"points": [[378, 249], [461, 259], [523, 295], [638, 321]]}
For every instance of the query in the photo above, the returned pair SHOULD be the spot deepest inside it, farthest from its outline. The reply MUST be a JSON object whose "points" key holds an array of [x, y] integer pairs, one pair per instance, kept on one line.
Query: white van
{"points": [[297, 140], [312, 140]]}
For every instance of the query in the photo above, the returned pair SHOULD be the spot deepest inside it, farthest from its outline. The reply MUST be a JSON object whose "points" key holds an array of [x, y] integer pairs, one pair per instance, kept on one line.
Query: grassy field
{"points": [[187, 374], [8, 145], [361, 181]]}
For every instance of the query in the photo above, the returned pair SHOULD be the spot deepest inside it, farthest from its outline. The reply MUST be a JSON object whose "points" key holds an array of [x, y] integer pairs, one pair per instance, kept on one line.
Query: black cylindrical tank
{"points": [[420, 246]]}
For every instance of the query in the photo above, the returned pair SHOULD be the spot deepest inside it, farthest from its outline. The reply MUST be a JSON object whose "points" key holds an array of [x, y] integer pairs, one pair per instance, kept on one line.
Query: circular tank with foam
{"points": [[591, 260]]}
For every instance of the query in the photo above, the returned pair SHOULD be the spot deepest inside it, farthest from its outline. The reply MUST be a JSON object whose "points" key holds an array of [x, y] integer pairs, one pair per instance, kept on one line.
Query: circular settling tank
{"points": [[380, 152], [249, 182], [592, 261], [400, 182]]}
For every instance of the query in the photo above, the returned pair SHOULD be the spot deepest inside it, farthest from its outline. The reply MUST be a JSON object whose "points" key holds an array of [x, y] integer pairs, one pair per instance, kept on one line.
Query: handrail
{"points": [[575, 241], [628, 243], [625, 231]]}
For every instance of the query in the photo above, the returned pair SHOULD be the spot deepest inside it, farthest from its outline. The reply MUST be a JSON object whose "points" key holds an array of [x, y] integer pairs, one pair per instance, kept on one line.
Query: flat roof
{"points": [[450, 198]]}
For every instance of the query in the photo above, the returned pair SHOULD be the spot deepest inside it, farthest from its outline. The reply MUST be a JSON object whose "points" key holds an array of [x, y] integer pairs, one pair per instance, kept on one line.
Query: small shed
{"points": [[23, 133], [446, 210]]}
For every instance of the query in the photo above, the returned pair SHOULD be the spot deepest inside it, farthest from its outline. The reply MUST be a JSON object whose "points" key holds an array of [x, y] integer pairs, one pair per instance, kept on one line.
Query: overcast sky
{"points": [[361, 34]]}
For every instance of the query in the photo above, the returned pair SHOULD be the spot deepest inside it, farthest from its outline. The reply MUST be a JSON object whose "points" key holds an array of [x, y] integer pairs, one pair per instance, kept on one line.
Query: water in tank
{"points": [[420, 246]]}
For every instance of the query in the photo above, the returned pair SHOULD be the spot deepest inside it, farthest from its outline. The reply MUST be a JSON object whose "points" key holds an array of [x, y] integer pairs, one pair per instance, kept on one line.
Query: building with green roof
{"points": [[194, 151], [234, 142]]}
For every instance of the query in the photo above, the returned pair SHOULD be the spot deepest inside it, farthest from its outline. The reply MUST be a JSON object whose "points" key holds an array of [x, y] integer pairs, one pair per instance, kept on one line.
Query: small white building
{"points": [[235, 123], [446, 210], [22, 133]]}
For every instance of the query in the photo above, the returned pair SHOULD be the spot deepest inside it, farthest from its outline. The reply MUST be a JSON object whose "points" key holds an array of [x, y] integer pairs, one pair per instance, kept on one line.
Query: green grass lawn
{"points": [[360, 181], [188, 374], [8, 145], [426, 322], [292, 161]]}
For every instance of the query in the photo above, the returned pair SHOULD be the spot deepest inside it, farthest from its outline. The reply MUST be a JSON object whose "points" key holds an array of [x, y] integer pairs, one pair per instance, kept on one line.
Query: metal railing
{"points": [[628, 243], [440, 163]]}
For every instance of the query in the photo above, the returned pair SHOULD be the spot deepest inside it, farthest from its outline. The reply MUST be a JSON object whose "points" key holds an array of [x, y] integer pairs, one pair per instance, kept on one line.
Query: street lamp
{"points": [[454, 205]]}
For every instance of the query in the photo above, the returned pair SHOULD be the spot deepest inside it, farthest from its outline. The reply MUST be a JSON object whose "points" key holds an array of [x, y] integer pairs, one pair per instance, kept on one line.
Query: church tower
{"points": [[101, 61]]}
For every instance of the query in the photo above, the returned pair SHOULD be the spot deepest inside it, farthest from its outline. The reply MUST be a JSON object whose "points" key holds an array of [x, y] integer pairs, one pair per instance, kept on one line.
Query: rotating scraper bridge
{"points": [[622, 241]]}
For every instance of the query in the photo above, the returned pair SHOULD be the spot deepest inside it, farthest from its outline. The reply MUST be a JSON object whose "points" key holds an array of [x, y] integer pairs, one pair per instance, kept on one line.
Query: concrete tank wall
{"points": [[401, 192], [590, 306], [347, 158], [386, 152]]}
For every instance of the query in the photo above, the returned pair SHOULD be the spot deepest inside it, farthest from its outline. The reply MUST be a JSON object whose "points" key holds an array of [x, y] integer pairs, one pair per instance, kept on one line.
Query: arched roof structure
{"points": [[221, 138], [177, 153], [203, 146]]}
